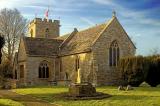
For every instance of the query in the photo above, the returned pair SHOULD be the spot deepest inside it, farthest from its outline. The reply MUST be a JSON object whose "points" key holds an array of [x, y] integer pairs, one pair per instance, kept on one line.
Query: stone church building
{"points": [[48, 58]]}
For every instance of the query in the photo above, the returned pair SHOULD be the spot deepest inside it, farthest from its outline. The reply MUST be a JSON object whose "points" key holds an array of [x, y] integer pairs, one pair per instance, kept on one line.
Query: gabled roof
{"points": [[82, 40], [72, 43], [41, 46]]}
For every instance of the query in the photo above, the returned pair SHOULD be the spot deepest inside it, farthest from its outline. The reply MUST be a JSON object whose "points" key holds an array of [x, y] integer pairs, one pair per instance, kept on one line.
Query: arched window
{"points": [[47, 32], [31, 32], [113, 54], [43, 71]]}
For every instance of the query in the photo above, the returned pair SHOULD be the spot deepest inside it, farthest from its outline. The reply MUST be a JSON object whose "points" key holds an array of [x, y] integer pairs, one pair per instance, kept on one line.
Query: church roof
{"points": [[41, 46], [82, 40], [72, 43]]}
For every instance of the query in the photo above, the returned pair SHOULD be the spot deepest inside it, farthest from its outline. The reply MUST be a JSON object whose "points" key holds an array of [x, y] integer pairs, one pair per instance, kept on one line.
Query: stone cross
{"points": [[114, 13], [78, 76]]}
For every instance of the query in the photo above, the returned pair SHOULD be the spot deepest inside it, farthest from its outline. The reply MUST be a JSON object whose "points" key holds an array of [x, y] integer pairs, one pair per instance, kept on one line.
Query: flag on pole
{"points": [[47, 13]]}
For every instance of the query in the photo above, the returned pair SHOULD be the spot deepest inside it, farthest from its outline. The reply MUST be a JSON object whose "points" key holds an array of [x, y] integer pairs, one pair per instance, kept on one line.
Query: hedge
{"points": [[137, 69], [133, 70], [153, 76]]}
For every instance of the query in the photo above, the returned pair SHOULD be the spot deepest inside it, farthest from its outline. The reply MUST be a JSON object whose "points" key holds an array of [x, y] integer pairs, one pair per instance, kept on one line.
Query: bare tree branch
{"points": [[12, 25]]}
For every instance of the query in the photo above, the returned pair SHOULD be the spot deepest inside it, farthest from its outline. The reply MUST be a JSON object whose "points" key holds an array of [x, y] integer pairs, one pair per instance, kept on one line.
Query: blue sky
{"points": [[140, 18]]}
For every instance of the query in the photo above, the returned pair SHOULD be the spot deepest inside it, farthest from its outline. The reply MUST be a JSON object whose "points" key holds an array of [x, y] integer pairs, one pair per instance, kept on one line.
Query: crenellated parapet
{"points": [[40, 20], [44, 28]]}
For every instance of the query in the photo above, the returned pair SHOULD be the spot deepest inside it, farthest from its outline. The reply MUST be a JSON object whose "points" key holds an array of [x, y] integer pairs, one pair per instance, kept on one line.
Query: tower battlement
{"points": [[46, 28], [40, 20]]}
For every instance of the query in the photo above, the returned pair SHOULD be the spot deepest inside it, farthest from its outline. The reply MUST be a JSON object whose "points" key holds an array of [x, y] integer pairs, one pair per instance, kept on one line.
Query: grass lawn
{"points": [[9, 102], [141, 96]]}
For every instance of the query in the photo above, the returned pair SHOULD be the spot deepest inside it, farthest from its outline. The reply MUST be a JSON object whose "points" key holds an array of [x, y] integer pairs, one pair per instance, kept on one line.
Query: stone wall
{"points": [[68, 66], [85, 66], [107, 75], [32, 66], [21, 81], [22, 57]]}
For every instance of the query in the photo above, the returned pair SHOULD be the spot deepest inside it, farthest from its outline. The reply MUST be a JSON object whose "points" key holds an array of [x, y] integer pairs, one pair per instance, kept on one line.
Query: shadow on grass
{"points": [[129, 97], [43, 86], [3, 105], [53, 98]]}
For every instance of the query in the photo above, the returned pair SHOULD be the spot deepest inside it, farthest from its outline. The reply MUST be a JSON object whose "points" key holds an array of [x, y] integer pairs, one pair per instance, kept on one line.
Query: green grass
{"points": [[141, 96], [9, 102]]}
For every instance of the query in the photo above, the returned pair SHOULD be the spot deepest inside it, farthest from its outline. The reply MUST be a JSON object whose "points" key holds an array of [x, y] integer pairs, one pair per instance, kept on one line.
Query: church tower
{"points": [[43, 28]]}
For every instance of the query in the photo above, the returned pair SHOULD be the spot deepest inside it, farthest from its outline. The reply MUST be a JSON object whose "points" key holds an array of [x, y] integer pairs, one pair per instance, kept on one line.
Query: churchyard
{"points": [[97, 66]]}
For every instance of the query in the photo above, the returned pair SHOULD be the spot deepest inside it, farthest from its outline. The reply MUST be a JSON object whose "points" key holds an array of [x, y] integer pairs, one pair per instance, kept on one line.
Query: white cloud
{"points": [[138, 35], [86, 20], [105, 2], [136, 16], [24, 3]]}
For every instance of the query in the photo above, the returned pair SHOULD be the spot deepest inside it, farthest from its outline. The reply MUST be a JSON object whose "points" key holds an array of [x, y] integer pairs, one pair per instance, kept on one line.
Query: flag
{"points": [[47, 13]]}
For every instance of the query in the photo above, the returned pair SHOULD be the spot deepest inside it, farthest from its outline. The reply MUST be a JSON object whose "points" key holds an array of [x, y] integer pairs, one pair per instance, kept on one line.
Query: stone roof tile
{"points": [[82, 40], [42, 46]]}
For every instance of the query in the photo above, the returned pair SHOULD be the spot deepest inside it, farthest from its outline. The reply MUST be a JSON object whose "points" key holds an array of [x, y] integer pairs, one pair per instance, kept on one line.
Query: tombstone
{"points": [[121, 88], [129, 87], [1, 45]]}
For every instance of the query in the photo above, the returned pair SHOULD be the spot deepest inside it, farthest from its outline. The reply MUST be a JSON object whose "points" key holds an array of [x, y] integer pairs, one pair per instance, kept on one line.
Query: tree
{"points": [[12, 25]]}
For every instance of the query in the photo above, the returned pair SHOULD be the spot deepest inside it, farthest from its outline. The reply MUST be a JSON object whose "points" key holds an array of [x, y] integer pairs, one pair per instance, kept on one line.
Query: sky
{"points": [[140, 18]]}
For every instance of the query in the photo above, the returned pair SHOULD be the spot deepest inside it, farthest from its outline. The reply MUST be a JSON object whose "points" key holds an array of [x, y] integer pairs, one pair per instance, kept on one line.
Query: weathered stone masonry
{"points": [[87, 50]]}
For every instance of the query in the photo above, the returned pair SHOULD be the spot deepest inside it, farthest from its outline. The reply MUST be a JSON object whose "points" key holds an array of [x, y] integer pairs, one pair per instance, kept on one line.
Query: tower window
{"points": [[43, 71], [113, 54], [47, 33]]}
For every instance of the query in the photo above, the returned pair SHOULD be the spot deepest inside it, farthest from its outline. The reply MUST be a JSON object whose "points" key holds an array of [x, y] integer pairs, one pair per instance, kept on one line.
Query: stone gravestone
{"points": [[121, 88], [1, 45], [129, 87]]}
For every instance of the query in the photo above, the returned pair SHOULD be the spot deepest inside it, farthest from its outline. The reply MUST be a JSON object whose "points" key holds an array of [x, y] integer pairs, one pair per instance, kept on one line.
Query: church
{"points": [[48, 58]]}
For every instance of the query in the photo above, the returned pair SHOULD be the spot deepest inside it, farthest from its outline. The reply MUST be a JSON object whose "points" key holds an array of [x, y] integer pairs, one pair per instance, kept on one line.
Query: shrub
{"points": [[6, 69], [133, 70], [5, 73]]}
